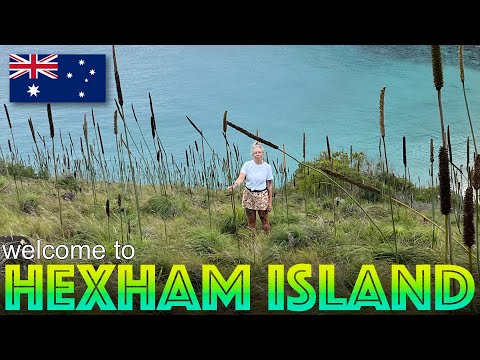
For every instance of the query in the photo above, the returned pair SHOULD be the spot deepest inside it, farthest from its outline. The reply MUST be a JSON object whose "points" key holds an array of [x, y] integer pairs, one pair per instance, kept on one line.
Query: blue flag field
{"points": [[57, 77]]}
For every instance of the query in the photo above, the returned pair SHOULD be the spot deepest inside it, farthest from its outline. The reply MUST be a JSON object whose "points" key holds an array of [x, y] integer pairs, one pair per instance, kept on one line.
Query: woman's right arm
{"points": [[237, 182]]}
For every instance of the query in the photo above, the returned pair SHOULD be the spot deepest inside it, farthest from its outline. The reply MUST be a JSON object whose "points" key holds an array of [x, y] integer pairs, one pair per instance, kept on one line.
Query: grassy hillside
{"points": [[181, 228]]}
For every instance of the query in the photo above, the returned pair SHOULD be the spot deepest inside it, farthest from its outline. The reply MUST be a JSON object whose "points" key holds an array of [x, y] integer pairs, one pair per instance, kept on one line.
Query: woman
{"points": [[258, 192]]}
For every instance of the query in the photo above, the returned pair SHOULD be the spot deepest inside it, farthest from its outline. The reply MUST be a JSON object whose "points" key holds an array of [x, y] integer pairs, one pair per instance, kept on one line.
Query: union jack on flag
{"points": [[57, 77], [33, 66]]}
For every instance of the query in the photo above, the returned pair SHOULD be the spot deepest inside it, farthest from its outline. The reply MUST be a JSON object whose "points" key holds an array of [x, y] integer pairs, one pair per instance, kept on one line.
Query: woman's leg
{"points": [[251, 218], [264, 218]]}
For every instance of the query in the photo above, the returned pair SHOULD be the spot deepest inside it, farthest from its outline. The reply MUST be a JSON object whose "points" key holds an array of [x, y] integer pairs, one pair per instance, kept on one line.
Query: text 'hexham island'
{"points": [[56, 287]]}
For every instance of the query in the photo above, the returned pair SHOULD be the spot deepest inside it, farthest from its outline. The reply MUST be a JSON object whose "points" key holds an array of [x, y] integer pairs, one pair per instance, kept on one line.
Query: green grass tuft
{"points": [[164, 207]]}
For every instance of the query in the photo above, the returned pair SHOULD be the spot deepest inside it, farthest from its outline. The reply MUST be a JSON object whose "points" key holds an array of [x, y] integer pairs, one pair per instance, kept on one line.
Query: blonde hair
{"points": [[257, 145]]}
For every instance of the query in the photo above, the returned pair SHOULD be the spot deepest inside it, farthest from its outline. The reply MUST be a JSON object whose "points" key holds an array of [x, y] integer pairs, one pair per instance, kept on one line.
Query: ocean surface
{"points": [[279, 91]]}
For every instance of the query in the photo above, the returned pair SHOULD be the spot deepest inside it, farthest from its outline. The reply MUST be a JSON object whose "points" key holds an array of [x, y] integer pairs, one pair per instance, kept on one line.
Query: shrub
{"points": [[162, 206], [205, 241], [226, 223], [29, 203], [69, 182]]}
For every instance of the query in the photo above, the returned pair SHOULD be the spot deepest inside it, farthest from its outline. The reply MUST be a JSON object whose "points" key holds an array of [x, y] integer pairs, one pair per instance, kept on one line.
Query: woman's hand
{"points": [[269, 207]]}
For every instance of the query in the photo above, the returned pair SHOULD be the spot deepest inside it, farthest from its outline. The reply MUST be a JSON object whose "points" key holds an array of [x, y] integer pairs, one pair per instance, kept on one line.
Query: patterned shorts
{"points": [[255, 200]]}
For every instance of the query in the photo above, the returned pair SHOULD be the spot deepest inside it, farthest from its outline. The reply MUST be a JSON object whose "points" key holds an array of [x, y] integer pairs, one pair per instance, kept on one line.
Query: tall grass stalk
{"points": [[52, 135], [468, 227], [103, 166], [39, 156], [149, 174], [4, 160], [139, 150], [229, 176], [437, 69], [90, 166], [121, 214], [14, 173], [445, 194], [153, 126], [284, 173], [64, 152], [330, 161], [462, 79], [13, 152], [164, 162], [204, 170], [119, 105], [101, 155], [455, 184], [438, 82], [121, 162], [161, 172], [129, 231], [305, 200], [206, 184], [476, 186], [163, 165], [164, 185], [332, 191], [380, 156], [107, 212], [189, 179], [432, 159], [404, 153], [382, 133], [73, 152], [15, 149]]}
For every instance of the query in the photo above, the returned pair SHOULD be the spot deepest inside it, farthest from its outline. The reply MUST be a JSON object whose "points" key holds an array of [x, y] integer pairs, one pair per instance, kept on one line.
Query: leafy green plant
{"points": [[29, 203], [227, 222], [162, 206], [206, 241], [69, 182]]}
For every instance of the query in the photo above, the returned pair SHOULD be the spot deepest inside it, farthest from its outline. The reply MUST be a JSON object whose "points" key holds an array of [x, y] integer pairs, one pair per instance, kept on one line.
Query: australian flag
{"points": [[57, 78]]}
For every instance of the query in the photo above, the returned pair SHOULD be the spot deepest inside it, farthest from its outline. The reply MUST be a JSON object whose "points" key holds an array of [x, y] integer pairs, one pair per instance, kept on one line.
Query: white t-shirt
{"points": [[256, 175]]}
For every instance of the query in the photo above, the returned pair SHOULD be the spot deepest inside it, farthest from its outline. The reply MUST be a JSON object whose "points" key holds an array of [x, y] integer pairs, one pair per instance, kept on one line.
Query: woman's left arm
{"points": [[270, 194]]}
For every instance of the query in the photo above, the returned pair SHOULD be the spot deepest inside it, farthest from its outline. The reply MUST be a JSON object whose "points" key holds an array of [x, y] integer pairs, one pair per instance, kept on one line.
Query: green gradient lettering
{"points": [[403, 285], [144, 287], [445, 276], [276, 287], [237, 286], [368, 291], [57, 287], [326, 288], [96, 292], [178, 291], [306, 293], [31, 286]]}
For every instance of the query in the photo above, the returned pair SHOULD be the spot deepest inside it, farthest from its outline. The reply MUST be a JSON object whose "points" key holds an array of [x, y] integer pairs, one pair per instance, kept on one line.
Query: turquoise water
{"points": [[281, 91]]}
